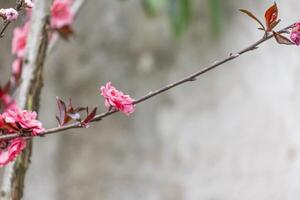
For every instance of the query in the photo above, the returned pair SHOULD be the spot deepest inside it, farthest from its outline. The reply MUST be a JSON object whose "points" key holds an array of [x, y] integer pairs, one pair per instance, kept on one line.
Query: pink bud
{"points": [[9, 14]]}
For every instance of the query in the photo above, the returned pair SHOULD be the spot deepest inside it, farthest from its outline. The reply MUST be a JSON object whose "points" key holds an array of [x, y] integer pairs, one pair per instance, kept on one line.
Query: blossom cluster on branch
{"points": [[25, 124], [11, 14], [12, 121]]}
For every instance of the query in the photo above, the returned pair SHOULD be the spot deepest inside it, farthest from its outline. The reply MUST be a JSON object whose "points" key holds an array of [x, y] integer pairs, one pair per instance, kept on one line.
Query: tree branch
{"points": [[32, 81], [191, 77]]}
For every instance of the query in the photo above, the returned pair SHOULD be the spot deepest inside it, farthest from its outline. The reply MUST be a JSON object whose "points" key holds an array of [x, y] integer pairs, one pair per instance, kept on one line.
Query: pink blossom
{"points": [[11, 150], [17, 68], [19, 40], [7, 101], [9, 14], [21, 120], [116, 99], [295, 34], [28, 3], [61, 14]]}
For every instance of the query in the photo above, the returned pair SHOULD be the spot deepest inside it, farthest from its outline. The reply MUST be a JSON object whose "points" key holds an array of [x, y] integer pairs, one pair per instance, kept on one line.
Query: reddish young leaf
{"points": [[70, 105], [62, 111], [65, 32], [251, 15], [274, 24], [271, 17], [282, 39], [89, 117], [73, 113], [68, 112]]}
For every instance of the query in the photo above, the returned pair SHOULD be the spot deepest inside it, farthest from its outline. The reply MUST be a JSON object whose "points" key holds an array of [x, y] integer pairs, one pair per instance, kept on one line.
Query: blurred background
{"points": [[231, 135]]}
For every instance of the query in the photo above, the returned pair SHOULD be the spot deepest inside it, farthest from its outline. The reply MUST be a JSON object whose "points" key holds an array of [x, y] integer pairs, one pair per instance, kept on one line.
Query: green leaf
{"points": [[179, 12]]}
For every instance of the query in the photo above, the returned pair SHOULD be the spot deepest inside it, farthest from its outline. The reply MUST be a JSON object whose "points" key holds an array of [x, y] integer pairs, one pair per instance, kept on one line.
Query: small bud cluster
{"points": [[9, 14]]}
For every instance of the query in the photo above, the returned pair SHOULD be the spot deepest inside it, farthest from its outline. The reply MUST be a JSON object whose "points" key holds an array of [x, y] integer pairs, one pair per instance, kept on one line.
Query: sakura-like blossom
{"points": [[11, 150], [21, 120], [19, 40], [9, 14], [61, 14], [295, 34], [116, 99]]}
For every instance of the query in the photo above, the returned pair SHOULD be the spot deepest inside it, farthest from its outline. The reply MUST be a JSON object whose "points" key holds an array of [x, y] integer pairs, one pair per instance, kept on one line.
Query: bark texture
{"points": [[29, 95]]}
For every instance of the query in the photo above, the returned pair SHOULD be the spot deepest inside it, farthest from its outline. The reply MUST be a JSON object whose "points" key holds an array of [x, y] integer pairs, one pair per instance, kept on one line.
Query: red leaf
{"points": [[62, 111], [282, 39], [251, 15], [274, 24], [90, 117], [271, 17], [65, 32], [70, 105]]}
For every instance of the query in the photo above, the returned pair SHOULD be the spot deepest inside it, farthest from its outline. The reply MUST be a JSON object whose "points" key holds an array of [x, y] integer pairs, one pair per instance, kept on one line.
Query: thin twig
{"points": [[191, 77]]}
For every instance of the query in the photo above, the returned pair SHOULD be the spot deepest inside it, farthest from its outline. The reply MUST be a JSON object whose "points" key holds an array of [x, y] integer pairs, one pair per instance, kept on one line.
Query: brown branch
{"points": [[191, 77], [6, 23], [30, 89]]}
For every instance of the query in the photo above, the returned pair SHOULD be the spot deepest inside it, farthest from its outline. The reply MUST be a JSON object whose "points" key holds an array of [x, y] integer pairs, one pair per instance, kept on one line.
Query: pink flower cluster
{"points": [[116, 99], [15, 120], [9, 14], [61, 14], [9, 150], [295, 34]]}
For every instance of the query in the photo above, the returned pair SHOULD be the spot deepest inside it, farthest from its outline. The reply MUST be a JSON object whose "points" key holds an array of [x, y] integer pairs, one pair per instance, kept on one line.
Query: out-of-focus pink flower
{"points": [[61, 14], [11, 150], [17, 68], [6, 101], [116, 99], [9, 14], [21, 120], [295, 34], [19, 40], [28, 3]]}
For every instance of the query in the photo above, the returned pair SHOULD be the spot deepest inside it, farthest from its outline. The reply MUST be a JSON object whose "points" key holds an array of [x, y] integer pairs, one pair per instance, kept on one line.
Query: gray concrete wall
{"points": [[231, 135]]}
